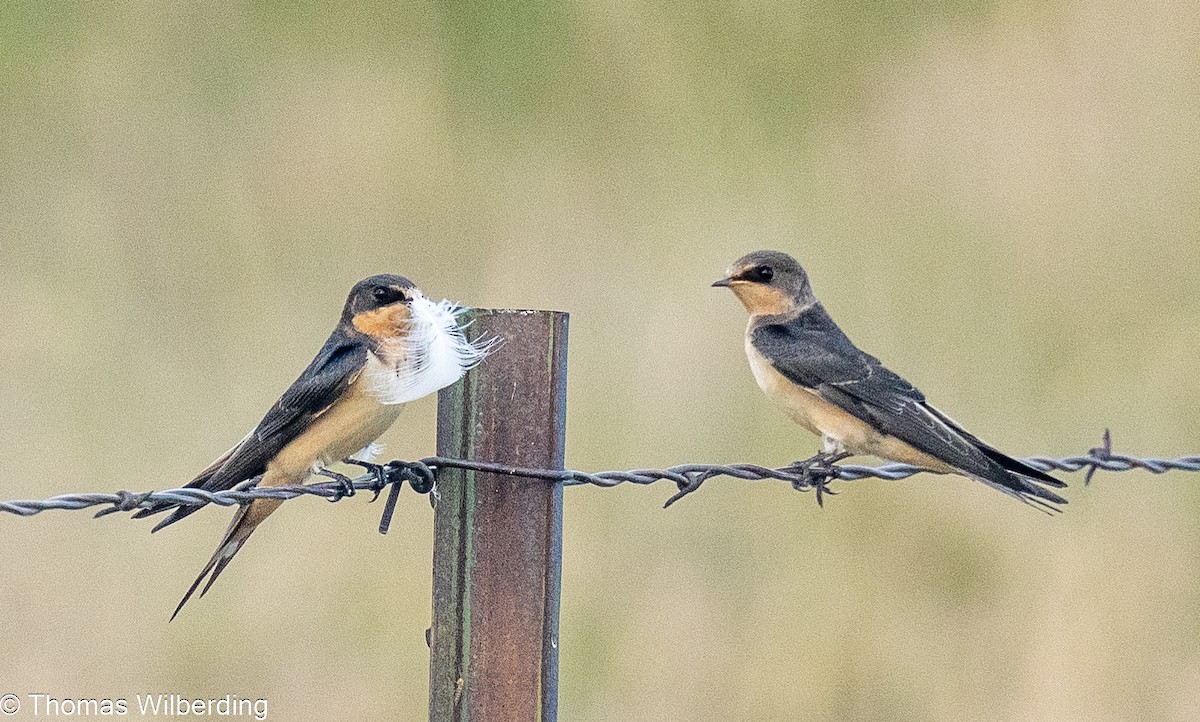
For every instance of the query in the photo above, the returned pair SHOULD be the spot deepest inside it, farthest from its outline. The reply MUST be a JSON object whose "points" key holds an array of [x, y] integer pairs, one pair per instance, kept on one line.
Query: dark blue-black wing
{"points": [[330, 374], [813, 352]]}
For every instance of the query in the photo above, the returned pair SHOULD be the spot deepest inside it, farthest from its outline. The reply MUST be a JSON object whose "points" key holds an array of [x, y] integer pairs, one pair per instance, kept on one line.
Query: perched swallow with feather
{"points": [[804, 362], [392, 345]]}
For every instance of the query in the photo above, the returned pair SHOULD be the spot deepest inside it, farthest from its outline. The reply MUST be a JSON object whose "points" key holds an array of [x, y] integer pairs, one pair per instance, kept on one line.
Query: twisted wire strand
{"points": [[810, 474]]}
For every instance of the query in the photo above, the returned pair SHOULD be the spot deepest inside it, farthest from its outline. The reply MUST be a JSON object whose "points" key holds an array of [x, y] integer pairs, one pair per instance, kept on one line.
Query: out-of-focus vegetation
{"points": [[998, 199]]}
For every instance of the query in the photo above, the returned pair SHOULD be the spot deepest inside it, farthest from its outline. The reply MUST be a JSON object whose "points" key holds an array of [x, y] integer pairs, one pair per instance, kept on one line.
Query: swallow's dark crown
{"points": [[779, 261], [364, 297]]}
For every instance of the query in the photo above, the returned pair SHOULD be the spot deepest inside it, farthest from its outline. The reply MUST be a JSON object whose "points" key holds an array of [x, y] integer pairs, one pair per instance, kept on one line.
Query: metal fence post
{"points": [[497, 557]]}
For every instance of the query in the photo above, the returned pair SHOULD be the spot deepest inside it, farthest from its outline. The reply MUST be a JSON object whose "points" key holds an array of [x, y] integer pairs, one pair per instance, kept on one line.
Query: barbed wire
{"points": [[812, 474]]}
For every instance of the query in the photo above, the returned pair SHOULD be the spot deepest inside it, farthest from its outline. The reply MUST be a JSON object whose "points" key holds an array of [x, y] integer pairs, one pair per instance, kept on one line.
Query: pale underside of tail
{"points": [[245, 521]]}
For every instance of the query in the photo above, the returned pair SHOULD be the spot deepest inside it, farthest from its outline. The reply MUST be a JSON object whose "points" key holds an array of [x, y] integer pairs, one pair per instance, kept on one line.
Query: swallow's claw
{"points": [[345, 486], [817, 472], [820, 484], [379, 471]]}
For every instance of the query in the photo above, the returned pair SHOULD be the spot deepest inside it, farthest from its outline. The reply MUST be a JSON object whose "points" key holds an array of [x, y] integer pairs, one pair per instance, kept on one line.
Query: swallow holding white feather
{"points": [[804, 362], [392, 345]]}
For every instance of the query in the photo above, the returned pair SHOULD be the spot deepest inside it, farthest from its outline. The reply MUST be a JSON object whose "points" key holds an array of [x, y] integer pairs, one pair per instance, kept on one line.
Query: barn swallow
{"points": [[805, 363], [392, 345]]}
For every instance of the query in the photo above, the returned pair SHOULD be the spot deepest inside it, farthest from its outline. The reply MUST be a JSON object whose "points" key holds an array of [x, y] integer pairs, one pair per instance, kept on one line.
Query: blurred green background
{"points": [[1001, 200]]}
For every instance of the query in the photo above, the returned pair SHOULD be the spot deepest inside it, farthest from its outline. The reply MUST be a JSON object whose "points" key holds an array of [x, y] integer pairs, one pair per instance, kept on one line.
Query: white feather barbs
{"points": [[434, 354]]}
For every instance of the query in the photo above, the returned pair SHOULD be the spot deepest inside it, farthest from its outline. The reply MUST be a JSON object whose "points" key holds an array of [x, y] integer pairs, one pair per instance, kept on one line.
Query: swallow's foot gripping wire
{"points": [[345, 484], [379, 471], [418, 474], [816, 473]]}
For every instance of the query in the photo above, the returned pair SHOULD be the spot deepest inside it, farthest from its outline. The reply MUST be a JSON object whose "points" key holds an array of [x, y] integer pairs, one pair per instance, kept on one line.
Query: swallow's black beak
{"points": [[723, 283]]}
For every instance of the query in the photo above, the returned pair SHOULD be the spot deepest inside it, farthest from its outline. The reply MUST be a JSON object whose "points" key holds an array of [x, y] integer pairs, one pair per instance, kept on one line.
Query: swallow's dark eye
{"points": [[385, 295], [764, 273]]}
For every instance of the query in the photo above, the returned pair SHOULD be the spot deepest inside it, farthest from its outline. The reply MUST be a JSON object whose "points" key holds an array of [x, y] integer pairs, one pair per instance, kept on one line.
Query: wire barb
{"points": [[1101, 452], [812, 474]]}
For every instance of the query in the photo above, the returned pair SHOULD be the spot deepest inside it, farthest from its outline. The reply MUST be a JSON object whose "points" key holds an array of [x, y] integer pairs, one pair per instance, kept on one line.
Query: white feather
{"points": [[432, 355], [368, 452]]}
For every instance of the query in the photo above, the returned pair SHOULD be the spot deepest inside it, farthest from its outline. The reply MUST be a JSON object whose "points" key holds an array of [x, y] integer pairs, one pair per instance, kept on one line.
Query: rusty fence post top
{"points": [[518, 311]]}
